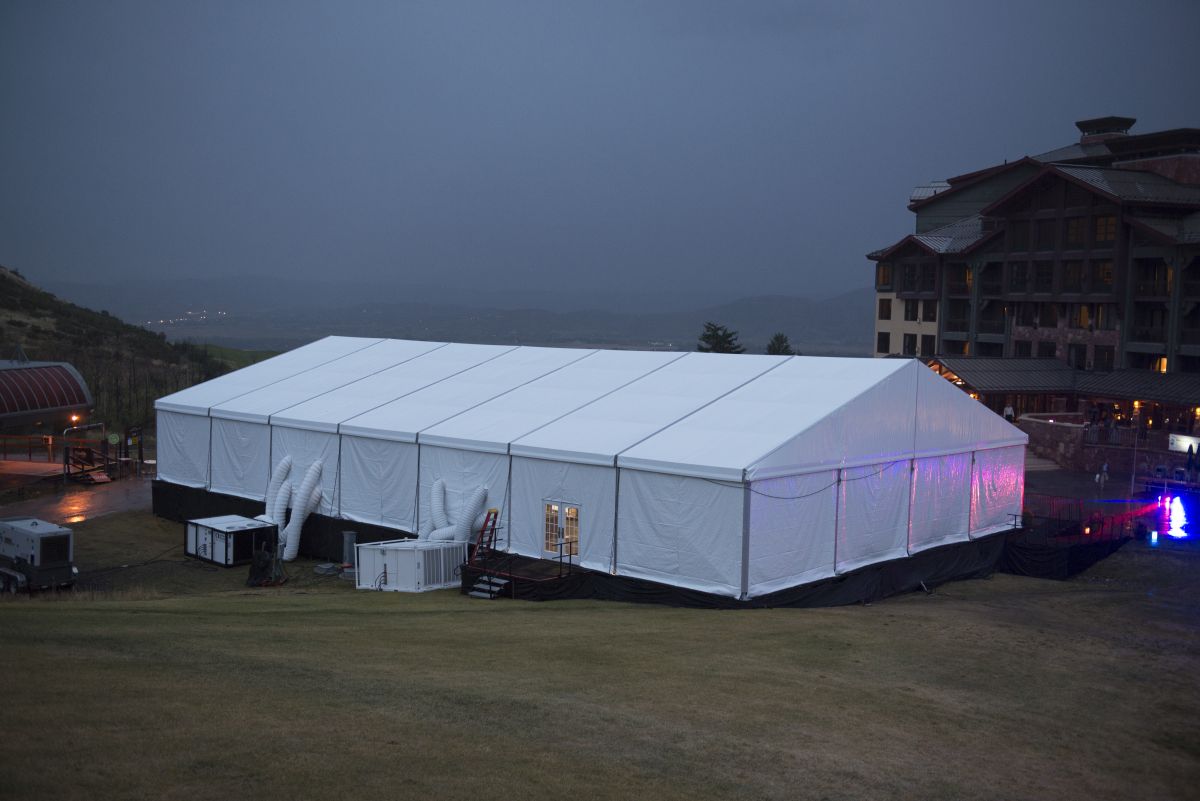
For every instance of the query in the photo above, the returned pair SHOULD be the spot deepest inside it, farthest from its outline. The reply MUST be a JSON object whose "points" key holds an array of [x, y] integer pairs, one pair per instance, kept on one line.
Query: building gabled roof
{"points": [[959, 236], [1076, 151], [960, 182], [1134, 186], [992, 375]]}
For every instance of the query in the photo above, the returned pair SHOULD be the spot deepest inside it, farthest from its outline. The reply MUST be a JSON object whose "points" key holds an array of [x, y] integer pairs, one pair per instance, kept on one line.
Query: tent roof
{"points": [[404, 418], [441, 361], [818, 413], [258, 406], [721, 416], [202, 397], [596, 433], [491, 426]]}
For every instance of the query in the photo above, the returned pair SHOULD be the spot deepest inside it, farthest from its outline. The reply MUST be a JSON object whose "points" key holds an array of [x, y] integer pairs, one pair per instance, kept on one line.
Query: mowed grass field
{"points": [[173, 681]]}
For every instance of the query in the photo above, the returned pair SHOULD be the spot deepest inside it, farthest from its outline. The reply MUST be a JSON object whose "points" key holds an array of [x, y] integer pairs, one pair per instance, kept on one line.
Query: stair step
{"points": [[491, 581], [480, 594]]}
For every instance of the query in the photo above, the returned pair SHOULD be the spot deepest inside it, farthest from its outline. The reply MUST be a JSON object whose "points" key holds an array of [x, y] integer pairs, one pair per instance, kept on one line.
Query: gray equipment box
{"points": [[228, 540], [35, 554]]}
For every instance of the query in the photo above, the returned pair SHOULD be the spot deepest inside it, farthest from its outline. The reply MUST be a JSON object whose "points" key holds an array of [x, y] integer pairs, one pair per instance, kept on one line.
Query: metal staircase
{"points": [[487, 586]]}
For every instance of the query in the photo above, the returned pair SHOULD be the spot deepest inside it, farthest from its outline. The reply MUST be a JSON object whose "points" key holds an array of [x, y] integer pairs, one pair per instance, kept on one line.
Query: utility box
{"points": [[35, 554], [409, 565], [228, 540]]}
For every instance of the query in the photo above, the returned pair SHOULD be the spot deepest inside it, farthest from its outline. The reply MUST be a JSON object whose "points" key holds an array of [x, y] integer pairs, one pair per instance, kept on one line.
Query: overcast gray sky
{"points": [[735, 147]]}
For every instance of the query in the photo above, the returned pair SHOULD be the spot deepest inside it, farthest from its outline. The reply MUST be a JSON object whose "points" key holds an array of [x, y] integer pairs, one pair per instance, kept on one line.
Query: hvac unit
{"points": [[409, 565], [228, 540], [35, 554]]}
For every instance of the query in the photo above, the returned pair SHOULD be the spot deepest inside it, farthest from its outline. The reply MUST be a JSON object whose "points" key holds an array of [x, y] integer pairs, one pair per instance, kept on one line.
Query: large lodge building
{"points": [[1089, 254]]}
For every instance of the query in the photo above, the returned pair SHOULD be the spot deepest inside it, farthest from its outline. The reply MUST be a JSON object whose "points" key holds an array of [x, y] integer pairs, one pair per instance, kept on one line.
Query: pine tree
{"points": [[719, 339], [779, 346]]}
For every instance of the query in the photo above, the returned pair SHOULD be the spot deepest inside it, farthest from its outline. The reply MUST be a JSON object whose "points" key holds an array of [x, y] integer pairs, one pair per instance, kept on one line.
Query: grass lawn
{"points": [[170, 680]]}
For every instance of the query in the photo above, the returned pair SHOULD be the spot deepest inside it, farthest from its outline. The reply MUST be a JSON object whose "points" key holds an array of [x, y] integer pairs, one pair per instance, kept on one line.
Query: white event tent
{"points": [[737, 475]]}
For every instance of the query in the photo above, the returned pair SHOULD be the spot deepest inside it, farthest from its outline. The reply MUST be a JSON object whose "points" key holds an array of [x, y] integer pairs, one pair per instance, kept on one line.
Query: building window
{"points": [[1045, 234], [1018, 276], [1022, 348], [1105, 317], [1081, 316], [1046, 350], [928, 277], [958, 278], [883, 342], [1048, 315], [929, 311], [1027, 314], [1074, 233], [1104, 229], [1043, 276], [910, 278], [1018, 235], [1102, 276], [883, 276], [911, 310], [1077, 356], [1072, 276], [1105, 358], [885, 308], [928, 344], [910, 344]]}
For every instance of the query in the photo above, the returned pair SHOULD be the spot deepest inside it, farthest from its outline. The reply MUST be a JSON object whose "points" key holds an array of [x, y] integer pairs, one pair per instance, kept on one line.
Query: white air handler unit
{"points": [[409, 565], [228, 540]]}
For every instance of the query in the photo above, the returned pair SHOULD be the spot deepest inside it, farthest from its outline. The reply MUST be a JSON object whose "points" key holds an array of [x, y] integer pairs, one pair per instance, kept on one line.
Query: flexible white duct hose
{"points": [[437, 504], [278, 510], [277, 478], [470, 509], [306, 498]]}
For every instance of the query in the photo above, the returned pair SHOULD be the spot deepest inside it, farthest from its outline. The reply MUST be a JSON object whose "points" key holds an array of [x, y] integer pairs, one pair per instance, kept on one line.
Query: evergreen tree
{"points": [[719, 339], [779, 346]]}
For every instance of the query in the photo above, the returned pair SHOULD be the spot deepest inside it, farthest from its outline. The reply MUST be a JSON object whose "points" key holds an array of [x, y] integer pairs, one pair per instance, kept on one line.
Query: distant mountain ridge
{"points": [[125, 366], [840, 325]]}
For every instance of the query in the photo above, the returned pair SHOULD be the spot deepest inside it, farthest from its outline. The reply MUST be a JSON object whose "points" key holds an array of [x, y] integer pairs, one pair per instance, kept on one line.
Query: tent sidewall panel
{"points": [[306, 448], [792, 531], [183, 448], [241, 454], [873, 516], [593, 488], [997, 489], [940, 501], [681, 530], [463, 471], [378, 482]]}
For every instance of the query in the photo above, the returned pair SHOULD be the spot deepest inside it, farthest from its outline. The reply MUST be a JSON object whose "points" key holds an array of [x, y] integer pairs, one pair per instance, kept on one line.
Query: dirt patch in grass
{"points": [[166, 680]]}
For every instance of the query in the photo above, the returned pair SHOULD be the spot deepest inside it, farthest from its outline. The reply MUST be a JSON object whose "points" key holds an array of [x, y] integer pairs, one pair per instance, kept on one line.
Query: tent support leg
{"points": [[612, 567], [745, 539], [837, 520]]}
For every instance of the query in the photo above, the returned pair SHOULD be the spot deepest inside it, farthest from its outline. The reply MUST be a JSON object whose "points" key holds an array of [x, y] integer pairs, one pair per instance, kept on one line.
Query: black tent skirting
{"points": [[1016, 552]]}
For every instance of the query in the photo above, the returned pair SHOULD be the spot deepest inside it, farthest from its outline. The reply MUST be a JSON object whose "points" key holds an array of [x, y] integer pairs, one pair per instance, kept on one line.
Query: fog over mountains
{"points": [[275, 313]]}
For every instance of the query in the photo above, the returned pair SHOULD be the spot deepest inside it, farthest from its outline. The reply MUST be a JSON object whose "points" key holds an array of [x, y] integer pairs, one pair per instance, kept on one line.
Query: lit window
{"points": [[1105, 229]]}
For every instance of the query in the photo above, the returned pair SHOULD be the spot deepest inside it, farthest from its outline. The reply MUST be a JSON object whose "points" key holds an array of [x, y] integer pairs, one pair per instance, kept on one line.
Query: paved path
{"points": [[76, 503]]}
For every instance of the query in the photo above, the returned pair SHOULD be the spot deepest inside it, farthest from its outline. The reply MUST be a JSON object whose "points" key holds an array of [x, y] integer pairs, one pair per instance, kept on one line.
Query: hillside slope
{"points": [[125, 366]]}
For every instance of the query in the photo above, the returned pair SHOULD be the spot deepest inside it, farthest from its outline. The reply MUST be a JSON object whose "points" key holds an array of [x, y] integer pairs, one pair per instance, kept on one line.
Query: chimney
{"points": [[1102, 128]]}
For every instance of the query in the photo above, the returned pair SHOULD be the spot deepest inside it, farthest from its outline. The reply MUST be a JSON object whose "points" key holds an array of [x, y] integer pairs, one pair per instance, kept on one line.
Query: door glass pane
{"points": [[571, 531], [551, 528]]}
